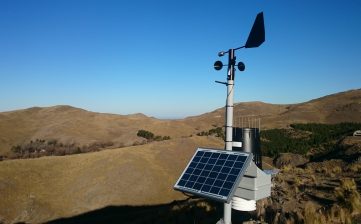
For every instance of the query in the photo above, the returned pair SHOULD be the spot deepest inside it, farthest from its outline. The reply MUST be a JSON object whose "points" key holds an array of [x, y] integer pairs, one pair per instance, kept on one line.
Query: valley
{"points": [[122, 171]]}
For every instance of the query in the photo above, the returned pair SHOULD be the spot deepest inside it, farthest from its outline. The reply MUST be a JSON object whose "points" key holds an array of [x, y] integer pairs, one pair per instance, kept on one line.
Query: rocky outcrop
{"points": [[289, 159]]}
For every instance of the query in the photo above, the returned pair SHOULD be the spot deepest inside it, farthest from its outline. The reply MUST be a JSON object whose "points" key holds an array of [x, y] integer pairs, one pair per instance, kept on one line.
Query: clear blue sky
{"points": [[156, 57]]}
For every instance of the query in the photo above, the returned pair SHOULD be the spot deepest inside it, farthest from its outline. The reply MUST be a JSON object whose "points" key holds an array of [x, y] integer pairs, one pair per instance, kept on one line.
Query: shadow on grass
{"points": [[187, 211]]}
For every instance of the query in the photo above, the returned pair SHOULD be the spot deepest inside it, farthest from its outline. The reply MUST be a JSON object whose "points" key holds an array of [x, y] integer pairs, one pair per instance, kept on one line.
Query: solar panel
{"points": [[214, 174]]}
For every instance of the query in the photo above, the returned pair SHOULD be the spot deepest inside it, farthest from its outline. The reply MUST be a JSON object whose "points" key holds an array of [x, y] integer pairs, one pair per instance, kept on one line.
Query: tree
{"points": [[145, 134]]}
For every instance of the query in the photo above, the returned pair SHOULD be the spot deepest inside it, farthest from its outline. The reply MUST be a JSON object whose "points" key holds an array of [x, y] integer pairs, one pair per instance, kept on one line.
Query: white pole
{"points": [[227, 213]]}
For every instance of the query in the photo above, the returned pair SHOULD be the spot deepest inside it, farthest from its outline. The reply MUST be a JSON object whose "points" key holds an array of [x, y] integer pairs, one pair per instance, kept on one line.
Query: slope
{"points": [[37, 190], [72, 125], [335, 108]]}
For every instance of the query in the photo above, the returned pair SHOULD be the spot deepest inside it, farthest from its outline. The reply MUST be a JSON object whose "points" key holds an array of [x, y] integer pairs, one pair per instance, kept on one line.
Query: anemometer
{"points": [[228, 176]]}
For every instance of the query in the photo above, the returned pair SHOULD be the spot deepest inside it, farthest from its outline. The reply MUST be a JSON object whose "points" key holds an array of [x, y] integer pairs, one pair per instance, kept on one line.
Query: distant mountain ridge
{"points": [[74, 125], [335, 108], [53, 187]]}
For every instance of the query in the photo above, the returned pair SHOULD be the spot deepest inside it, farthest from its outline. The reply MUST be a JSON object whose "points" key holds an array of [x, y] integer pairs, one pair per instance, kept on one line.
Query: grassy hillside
{"points": [[335, 108], [135, 184], [73, 126], [69, 125], [47, 188]]}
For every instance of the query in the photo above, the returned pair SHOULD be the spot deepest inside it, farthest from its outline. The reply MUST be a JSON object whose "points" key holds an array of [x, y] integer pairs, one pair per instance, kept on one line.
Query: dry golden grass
{"points": [[73, 125], [349, 205], [306, 196], [336, 214], [336, 170], [287, 168], [348, 195], [355, 167], [334, 108], [313, 215], [69, 124], [36, 190]]}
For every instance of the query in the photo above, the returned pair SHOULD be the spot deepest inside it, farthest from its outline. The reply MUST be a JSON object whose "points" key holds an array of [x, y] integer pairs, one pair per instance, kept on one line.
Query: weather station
{"points": [[233, 176]]}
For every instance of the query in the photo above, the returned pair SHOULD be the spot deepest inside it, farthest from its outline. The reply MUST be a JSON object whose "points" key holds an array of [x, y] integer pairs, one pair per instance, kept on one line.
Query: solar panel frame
{"points": [[208, 171]]}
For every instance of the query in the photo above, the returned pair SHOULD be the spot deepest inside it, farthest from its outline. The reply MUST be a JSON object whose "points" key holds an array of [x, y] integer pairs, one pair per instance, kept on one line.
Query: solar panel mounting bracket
{"points": [[221, 175], [214, 173], [254, 185]]}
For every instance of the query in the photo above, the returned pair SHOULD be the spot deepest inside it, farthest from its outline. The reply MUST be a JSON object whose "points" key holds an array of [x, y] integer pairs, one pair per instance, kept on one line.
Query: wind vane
{"points": [[225, 175], [255, 38]]}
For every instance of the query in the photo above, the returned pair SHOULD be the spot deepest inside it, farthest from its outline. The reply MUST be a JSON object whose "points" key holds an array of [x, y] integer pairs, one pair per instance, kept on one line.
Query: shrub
{"points": [[218, 132], [348, 196], [145, 134], [354, 167], [150, 136], [158, 138]]}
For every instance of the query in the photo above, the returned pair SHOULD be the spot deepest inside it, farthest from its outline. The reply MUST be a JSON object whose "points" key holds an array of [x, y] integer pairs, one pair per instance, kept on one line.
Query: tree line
{"points": [[53, 147], [301, 138], [150, 136]]}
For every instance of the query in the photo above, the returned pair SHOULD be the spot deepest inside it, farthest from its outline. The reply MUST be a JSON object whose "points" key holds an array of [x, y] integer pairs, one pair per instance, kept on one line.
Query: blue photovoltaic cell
{"points": [[213, 173]]}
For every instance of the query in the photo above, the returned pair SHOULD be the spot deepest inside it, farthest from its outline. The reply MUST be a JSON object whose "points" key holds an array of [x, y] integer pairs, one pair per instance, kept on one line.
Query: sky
{"points": [[156, 57]]}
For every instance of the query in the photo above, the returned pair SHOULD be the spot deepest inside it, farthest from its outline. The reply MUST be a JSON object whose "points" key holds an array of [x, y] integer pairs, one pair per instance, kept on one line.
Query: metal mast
{"points": [[255, 39], [229, 121]]}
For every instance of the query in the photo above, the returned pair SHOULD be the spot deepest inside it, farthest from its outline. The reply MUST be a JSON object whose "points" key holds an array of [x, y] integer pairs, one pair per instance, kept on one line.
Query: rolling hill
{"points": [[335, 108], [73, 125], [48, 188]]}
